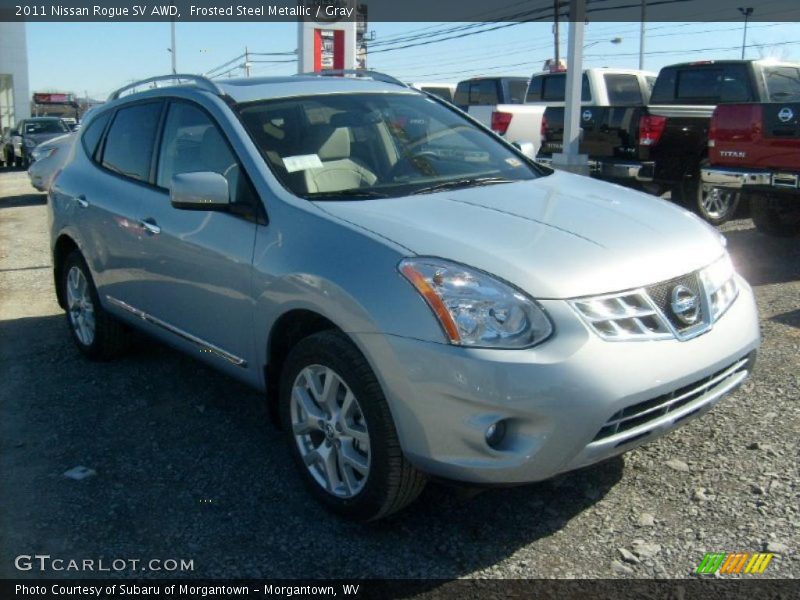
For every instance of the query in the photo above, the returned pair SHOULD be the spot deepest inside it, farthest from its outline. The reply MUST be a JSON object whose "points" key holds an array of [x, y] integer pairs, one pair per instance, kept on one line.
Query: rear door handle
{"points": [[82, 201], [150, 226]]}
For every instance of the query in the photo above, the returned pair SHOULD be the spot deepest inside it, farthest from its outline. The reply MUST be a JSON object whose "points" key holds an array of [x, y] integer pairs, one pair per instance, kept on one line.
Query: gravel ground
{"points": [[186, 465]]}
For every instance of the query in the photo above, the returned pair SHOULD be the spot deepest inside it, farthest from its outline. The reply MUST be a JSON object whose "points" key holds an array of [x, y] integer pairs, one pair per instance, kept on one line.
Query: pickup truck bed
{"points": [[755, 149], [664, 145]]}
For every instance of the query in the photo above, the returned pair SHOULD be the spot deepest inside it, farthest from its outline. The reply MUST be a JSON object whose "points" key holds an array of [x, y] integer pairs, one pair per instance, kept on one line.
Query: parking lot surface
{"points": [[187, 466]]}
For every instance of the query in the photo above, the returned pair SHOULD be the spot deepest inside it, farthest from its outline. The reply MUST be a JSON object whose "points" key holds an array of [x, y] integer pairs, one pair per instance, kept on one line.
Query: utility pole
{"points": [[172, 49], [641, 35], [556, 37], [746, 12], [246, 62]]}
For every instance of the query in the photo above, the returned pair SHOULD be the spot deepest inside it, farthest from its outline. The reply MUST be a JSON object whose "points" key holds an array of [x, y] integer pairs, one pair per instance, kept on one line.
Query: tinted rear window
{"points": [[91, 134], [551, 88], [712, 84], [783, 83], [129, 143], [516, 89], [477, 92], [623, 90]]}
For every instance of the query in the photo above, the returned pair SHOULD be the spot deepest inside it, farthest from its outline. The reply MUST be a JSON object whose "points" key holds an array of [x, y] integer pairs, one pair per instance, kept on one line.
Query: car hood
{"points": [[559, 236], [40, 138]]}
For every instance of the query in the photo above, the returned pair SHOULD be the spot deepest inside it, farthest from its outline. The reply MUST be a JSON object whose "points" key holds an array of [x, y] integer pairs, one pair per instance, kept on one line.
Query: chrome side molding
{"points": [[202, 344]]}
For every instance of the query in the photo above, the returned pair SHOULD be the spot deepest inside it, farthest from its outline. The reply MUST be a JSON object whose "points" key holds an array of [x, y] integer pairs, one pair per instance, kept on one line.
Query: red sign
{"points": [[52, 98]]}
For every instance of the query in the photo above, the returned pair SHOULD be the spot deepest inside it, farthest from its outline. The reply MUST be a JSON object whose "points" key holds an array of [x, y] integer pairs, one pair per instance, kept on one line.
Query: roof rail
{"points": [[366, 73], [202, 82]]}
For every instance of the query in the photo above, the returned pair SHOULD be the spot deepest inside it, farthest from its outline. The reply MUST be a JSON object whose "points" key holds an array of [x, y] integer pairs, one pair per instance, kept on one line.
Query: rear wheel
{"points": [[776, 216], [341, 432], [97, 334]]}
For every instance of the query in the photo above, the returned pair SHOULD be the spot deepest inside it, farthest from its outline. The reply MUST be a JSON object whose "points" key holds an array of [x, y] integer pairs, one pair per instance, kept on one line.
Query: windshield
{"points": [[341, 146], [48, 126]]}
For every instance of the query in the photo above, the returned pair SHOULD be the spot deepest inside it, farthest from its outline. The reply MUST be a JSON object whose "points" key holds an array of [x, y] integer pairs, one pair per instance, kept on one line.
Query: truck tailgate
{"points": [[606, 131], [756, 135]]}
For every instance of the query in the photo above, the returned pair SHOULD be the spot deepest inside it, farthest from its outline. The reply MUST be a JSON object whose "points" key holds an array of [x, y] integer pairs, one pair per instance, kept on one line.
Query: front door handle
{"points": [[150, 226], [82, 201]]}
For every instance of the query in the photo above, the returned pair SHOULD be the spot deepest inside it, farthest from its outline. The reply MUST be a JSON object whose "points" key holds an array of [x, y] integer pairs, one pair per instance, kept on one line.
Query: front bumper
{"points": [[750, 179], [556, 399], [616, 170]]}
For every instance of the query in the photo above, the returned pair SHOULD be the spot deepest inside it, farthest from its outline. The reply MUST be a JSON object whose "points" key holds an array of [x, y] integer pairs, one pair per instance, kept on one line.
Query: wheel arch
{"points": [[63, 247], [291, 327]]}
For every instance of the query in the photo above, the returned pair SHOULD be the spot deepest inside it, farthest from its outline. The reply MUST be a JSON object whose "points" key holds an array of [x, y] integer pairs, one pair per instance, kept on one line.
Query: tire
{"points": [[97, 334], [384, 481], [776, 216], [713, 204]]}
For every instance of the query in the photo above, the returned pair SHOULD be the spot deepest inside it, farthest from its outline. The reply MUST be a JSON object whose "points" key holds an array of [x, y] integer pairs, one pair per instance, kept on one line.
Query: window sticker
{"points": [[302, 162], [513, 162]]}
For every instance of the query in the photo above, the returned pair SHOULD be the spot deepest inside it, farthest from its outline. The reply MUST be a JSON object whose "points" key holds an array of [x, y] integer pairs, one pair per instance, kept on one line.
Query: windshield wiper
{"points": [[354, 194], [462, 183]]}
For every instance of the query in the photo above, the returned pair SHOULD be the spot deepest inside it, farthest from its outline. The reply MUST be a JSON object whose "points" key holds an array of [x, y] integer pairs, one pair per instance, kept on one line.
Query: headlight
{"points": [[475, 309], [40, 153], [719, 282]]}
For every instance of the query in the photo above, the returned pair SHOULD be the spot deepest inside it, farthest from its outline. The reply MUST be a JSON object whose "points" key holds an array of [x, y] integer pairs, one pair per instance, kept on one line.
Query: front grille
{"points": [[633, 416], [661, 295]]}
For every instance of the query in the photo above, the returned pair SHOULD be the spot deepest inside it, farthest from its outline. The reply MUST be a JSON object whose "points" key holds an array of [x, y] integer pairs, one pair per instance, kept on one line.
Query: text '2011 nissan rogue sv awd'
{"points": [[415, 297]]}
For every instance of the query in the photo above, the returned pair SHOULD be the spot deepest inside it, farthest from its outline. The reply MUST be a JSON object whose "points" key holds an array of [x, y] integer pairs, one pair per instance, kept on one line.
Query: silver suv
{"points": [[415, 297]]}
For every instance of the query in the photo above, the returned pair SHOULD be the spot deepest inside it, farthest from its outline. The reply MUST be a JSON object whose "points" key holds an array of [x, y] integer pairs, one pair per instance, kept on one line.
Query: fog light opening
{"points": [[495, 434]]}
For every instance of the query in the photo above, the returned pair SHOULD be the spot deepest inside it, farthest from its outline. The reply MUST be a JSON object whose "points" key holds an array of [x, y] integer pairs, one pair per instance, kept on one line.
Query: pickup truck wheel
{"points": [[775, 216], [715, 205], [340, 431], [96, 333]]}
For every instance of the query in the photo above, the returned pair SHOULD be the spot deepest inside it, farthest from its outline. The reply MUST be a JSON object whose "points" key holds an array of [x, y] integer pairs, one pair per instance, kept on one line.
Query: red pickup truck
{"points": [[755, 148]]}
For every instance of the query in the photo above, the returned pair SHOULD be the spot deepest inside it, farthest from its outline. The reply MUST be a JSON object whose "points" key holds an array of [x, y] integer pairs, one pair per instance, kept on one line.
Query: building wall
{"points": [[15, 94]]}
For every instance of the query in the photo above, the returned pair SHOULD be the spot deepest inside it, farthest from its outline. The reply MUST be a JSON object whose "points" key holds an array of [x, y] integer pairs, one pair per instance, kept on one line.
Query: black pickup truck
{"points": [[663, 146]]}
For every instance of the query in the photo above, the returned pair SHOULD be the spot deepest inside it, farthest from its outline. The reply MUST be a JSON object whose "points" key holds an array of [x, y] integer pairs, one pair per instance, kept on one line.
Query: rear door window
{"points": [[623, 90], [92, 133], [129, 143]]}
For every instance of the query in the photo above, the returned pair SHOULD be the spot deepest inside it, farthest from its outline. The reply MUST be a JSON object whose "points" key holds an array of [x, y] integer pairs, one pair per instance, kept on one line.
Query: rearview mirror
{"points": [[527, 148], [203, 190]]}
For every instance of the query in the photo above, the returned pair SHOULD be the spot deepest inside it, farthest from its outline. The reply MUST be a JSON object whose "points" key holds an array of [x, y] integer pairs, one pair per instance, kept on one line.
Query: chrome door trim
{"points": [[204, 345]]}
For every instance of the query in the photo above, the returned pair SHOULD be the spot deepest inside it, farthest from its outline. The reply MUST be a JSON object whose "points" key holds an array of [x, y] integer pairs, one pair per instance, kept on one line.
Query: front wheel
{"points": [[776, 216], [341, 433]]}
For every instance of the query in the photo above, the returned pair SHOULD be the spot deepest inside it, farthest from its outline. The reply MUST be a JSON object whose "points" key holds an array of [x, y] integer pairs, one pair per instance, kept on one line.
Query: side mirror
{"points": [[527, 148], [204, 190]]}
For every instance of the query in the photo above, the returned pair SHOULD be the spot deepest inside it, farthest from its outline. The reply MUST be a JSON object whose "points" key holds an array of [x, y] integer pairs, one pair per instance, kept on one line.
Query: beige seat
{"points": [[339, 171]]}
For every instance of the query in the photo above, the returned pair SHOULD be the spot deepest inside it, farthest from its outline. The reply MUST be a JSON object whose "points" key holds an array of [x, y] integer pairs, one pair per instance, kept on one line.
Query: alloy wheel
{"points": [[80, 306], [717, 203], [330, 431]]}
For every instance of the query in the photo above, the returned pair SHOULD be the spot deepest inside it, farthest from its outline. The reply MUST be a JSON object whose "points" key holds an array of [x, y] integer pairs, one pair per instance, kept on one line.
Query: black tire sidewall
{"points": [[334, 350]]}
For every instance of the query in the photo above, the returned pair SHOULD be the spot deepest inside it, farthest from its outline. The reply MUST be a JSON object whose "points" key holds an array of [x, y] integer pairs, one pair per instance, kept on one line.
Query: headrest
{"points": [[334, 143]]}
